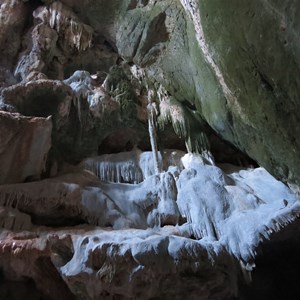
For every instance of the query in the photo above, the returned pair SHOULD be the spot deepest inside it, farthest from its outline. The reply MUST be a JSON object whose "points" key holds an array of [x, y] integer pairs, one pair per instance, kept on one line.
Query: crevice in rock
{"points": [[62, 250], [47, 274], [136, 4], [265, 82], [225, 152], [55, 222], [155, 37], [16, 290]]}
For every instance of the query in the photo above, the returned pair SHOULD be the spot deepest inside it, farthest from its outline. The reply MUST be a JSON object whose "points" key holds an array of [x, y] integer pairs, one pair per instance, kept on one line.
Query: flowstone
{"points": [[185, 219]]}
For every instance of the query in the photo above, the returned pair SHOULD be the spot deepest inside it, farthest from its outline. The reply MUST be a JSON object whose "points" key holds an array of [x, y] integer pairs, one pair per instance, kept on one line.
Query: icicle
{"points": [[81, 84], [171, 111], [52, 20], [183, 121], [119, 168], [152, 114], [78, 34], [198, 143]]}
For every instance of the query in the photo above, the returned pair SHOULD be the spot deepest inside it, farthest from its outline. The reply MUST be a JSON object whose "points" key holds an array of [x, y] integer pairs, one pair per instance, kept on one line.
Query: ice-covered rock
{"points": [[122, 167], [80, 82], [203, 200], [78, 197], [132, 166], [155, 227], [235, 210], [146, 264], [238, 209]]}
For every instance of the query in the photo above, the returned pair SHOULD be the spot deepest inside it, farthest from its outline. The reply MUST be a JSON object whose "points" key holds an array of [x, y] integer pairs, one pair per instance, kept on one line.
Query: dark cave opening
{"points": [[276, 275], [222, 151], [16, 290]]}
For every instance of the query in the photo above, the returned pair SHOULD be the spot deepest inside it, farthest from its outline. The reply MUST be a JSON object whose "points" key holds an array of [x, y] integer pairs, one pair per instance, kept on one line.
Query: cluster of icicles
{"points": [[63, 20], [236, 208], [225, 205]]}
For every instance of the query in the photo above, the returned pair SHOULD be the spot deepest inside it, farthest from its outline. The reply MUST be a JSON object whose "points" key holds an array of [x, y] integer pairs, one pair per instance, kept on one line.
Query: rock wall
{"points": [[236, 64], [87, 87], [233, 66]]}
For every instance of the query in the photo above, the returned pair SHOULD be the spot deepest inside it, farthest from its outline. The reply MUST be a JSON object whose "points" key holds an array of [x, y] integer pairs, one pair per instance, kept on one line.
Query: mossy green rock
{"points": [[255, 45], [193, 48]]}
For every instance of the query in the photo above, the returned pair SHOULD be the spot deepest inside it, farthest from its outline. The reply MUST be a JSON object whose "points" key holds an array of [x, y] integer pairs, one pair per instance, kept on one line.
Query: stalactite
{"points": [[152, 116], [131, 167], [64, 21], [172, 111], [115, 171]]}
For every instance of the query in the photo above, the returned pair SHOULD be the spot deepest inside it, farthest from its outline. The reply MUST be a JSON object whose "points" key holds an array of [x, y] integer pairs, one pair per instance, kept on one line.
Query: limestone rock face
{"points": [[24, 145], [27, 256], [173, 41], [246, 89], [255, 47], [138, 144], [13, 16], [203, 47]]}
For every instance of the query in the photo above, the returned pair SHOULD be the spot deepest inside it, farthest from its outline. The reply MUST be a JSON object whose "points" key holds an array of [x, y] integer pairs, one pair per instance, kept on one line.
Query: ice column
{"points": [[152, 113]]}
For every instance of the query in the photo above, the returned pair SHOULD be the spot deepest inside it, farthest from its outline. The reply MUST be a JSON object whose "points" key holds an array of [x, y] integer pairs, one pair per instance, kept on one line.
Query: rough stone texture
{"points": [[242, 78], [13, 16], [13, 219], [257, 65], [115, 268], [147, 267], [79, 107], [24, 145], [257, 50], [209, 71], [26, 256]]}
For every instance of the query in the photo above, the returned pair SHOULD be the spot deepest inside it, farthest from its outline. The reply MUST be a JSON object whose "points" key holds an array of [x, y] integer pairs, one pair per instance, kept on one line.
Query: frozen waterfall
{"points": [[223, 208], [236, 209]]}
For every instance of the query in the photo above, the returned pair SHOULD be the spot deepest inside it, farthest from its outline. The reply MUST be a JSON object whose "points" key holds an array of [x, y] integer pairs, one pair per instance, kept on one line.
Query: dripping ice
{"points": [[235, 209], [221, 206]]}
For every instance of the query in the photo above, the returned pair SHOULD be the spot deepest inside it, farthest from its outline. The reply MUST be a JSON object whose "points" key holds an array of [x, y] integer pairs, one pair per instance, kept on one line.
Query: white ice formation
{"points": [[235, 209], [132, 166], [98, 99], [223, 207]]}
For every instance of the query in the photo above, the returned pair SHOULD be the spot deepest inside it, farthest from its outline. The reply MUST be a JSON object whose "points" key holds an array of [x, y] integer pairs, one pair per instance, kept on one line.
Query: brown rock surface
{"points": [[24, 144], [26, 256]]}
